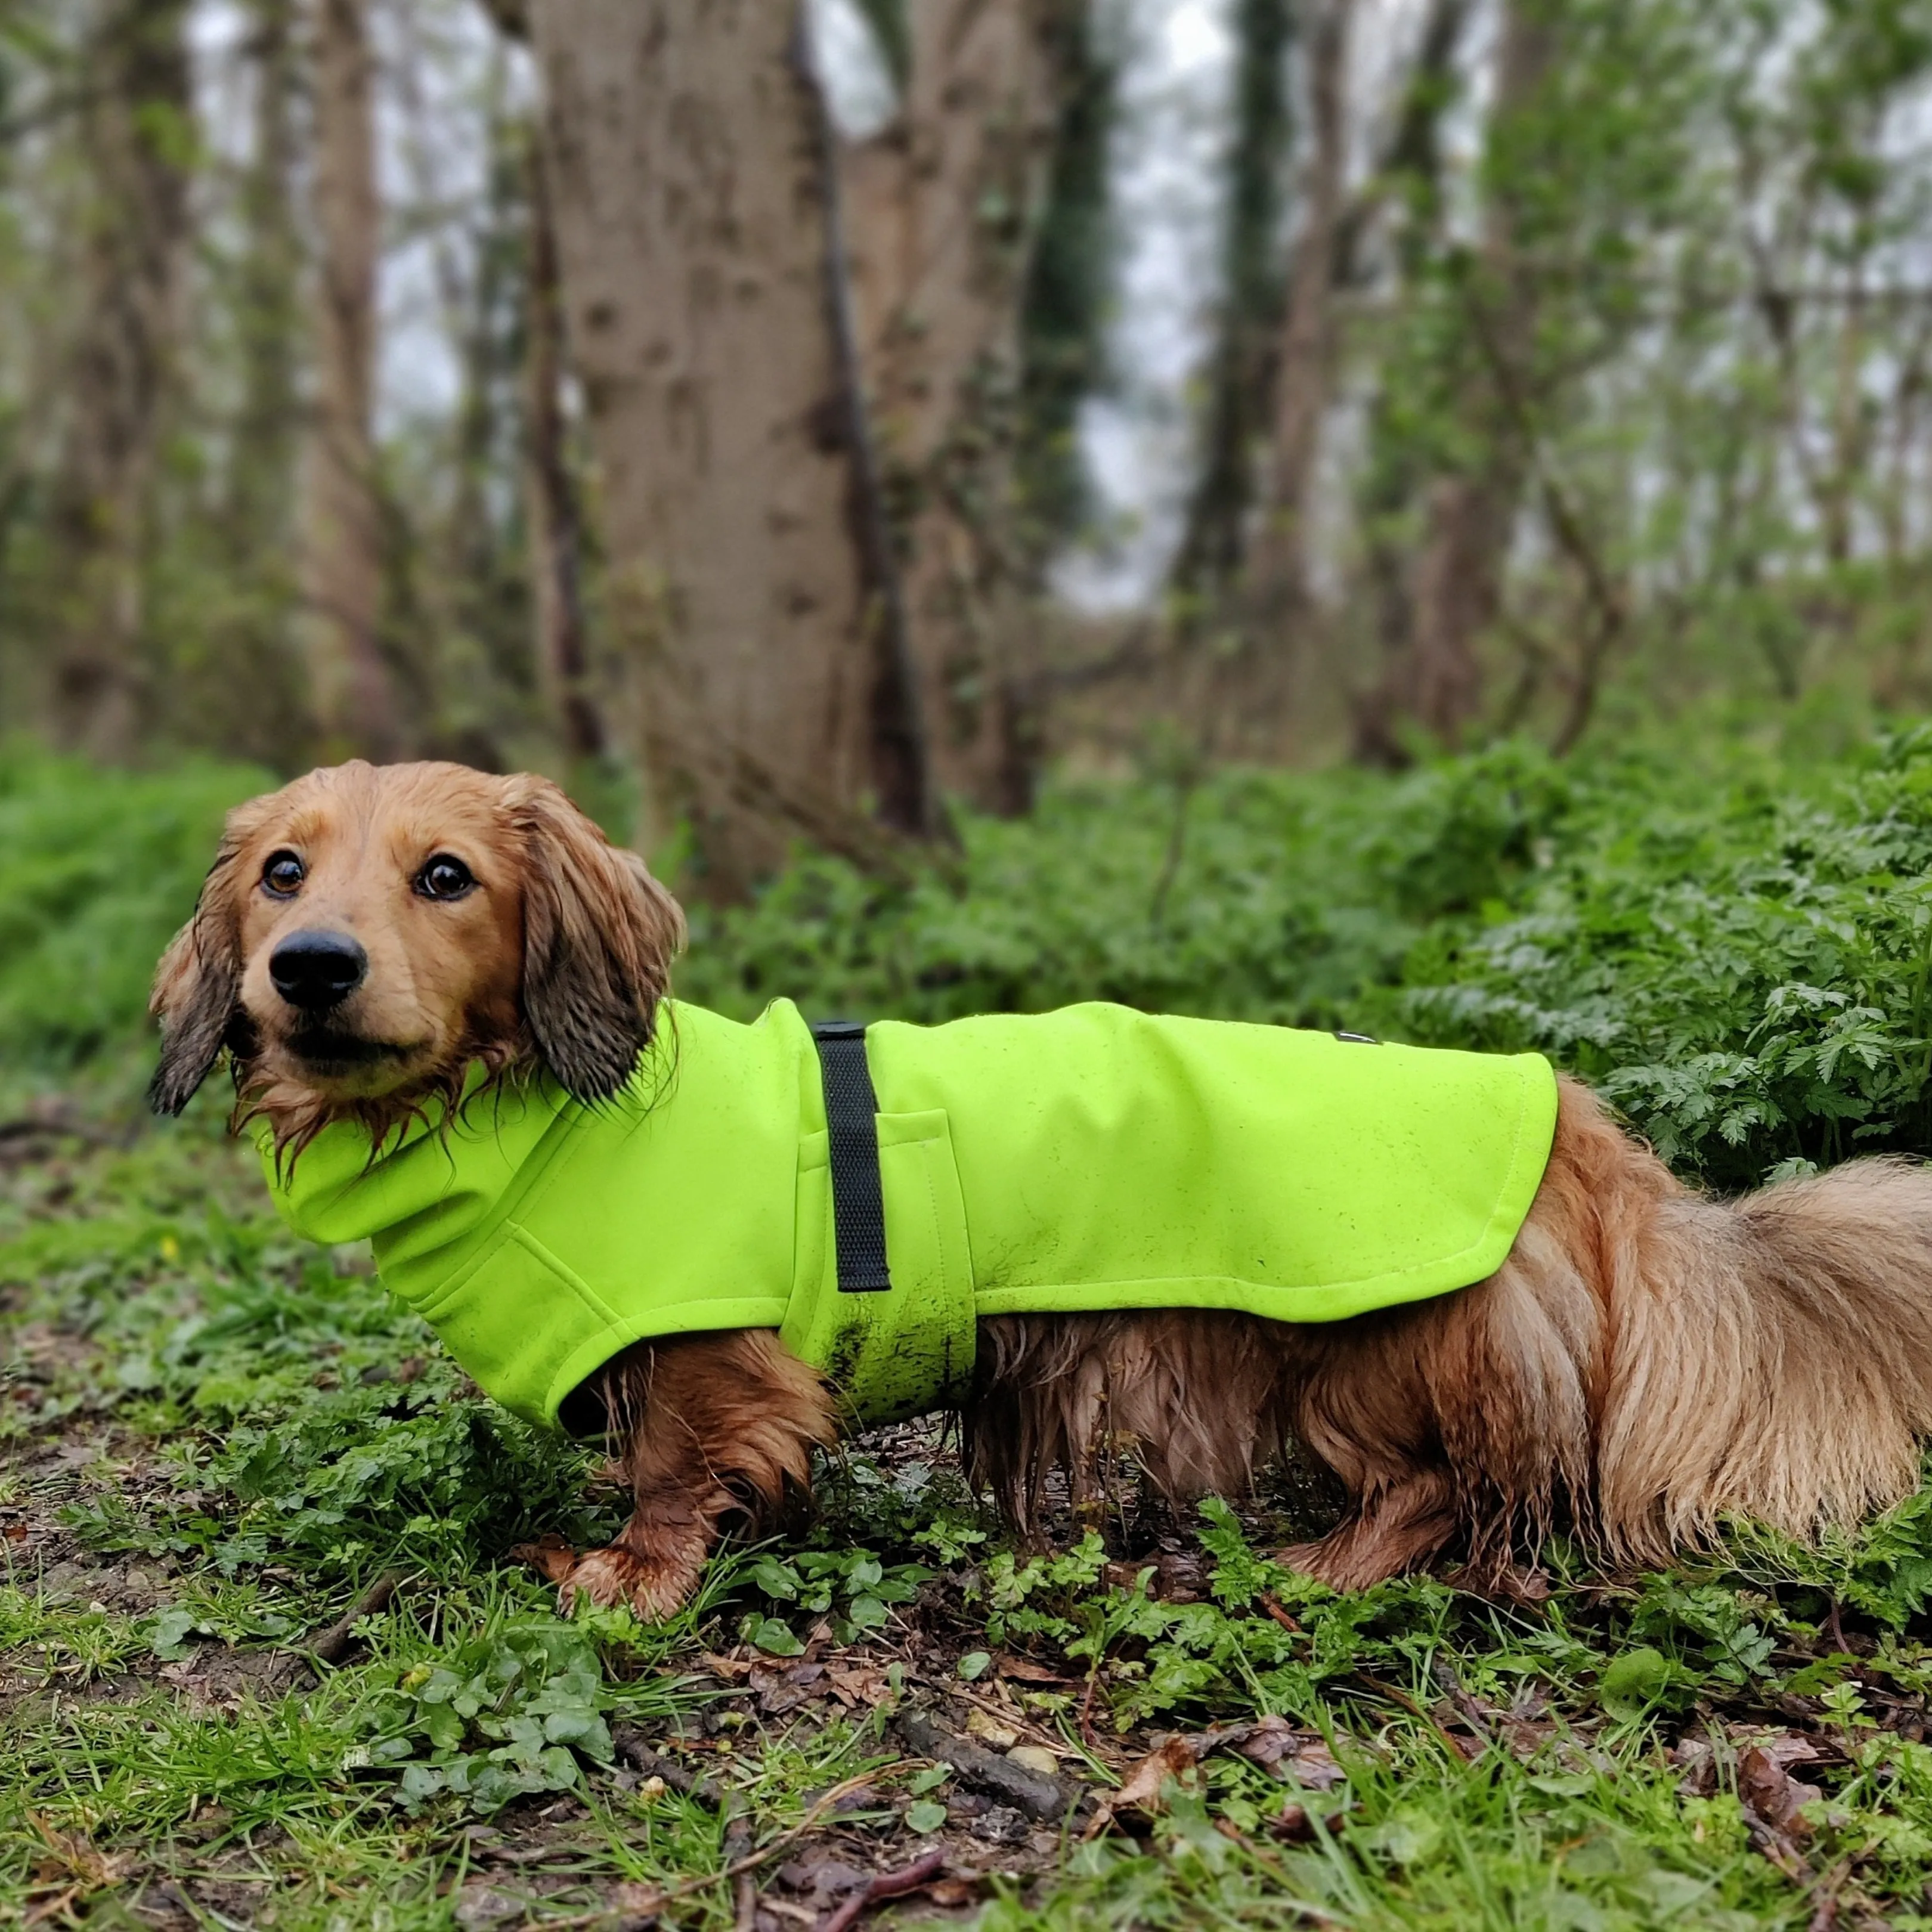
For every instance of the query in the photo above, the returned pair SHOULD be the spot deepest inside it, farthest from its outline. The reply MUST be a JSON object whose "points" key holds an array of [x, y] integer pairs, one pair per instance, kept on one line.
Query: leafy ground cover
{"points": [[268, 1656]]}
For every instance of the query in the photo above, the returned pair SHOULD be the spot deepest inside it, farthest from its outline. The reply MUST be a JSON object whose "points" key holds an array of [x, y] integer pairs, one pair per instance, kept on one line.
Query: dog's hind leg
{"points": [[1397, 1527], [710, 1427], [1465, 1418]]}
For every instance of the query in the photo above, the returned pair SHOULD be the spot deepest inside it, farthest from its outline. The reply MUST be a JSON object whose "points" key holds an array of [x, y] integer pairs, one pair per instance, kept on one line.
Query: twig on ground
{"points": [[1280, 1615], [331, 1644], [1834, 1626], [882, 1886], [1043, 1798], [729, 1873], [630, 1746]]}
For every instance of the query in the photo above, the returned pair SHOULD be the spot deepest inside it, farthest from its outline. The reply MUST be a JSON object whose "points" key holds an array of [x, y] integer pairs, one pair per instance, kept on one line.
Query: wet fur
{"points": [[563, 969], [1645, 1362]]}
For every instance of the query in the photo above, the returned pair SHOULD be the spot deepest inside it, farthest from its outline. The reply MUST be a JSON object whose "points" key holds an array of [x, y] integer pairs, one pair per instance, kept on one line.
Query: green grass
{"points": [[213, 1439], [195, 1404]]}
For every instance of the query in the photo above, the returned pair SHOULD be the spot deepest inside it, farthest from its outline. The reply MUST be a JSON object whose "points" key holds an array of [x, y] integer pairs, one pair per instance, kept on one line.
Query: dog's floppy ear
{"points": [[197, 989], [599, 933]]}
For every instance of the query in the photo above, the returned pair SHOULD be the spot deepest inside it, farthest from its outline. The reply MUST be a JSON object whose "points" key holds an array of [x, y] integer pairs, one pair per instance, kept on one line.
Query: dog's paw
{"points": [[1305, 1559], [1335, 1561], [614, 1575], [1523, 1585], [550, 1556]]}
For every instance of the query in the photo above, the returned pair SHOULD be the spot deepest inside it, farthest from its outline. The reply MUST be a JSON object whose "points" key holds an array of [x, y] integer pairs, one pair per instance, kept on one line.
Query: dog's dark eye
{"points": [[283, 874], [444, 877]]}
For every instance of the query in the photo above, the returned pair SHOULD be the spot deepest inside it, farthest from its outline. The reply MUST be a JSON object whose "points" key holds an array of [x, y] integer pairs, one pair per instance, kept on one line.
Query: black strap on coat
{"points": [[858, 1205]]}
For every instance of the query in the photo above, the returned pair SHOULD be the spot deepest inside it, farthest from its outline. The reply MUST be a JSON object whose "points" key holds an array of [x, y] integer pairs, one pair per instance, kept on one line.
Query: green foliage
{"points": [[98, 869], [1736, 949], [850, 1586], [503, 1716], [1260, 896], [1746, 973], [314, 1423]]}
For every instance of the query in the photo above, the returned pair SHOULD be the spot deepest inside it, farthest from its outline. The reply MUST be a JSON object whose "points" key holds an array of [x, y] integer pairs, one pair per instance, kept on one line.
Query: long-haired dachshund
{"points": [[379, 947]]}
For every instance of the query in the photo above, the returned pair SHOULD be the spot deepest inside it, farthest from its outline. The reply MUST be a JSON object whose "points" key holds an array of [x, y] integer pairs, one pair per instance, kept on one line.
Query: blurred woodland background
{"points": [[781, 424]]}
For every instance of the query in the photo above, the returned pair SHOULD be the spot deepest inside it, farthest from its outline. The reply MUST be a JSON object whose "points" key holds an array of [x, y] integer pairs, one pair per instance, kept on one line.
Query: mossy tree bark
{"points": [[342, 525], [944, 210], [688, 163]]}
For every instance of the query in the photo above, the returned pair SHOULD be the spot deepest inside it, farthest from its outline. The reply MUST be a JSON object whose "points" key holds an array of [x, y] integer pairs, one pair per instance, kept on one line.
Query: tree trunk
{"points": [[1413, 159], [549, 491], [137, 127], [1305, 368], [1241, 380], [1471, 511], [686, 149], [943, 210], [341, 548], [256, 514], [1063, 307]]}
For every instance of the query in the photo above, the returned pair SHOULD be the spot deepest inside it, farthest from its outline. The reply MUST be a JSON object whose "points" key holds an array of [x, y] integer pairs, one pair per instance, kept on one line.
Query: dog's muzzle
{"points": [[315, 971]]}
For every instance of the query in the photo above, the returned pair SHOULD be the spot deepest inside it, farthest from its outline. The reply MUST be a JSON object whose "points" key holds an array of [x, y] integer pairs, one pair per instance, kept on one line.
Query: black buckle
{"points": [[858, 1202]]}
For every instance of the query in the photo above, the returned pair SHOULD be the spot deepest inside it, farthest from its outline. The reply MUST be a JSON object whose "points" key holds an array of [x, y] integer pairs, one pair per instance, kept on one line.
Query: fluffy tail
{"points": [[1645, 1362], [1770, 1357]]}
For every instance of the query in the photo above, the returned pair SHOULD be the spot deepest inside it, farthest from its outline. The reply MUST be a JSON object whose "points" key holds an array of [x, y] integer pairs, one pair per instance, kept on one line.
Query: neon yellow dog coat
{"points": [[1093, 1158]]}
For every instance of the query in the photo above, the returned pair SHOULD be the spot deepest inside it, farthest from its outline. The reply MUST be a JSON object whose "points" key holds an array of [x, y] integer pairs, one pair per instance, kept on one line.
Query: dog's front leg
{"points": [[709, 1427]]}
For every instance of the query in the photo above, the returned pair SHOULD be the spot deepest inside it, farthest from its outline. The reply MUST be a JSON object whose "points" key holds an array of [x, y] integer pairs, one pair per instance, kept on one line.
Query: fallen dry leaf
{"points": [[856, 1685], [1313, 1764], [634, 1899], [72, 1860], [824, 1880], [1771, 1794], [1269, 1742], [1696, 1759], [1295, 1823], [1790, 1747], [779, 1691], [949, 1894], [1141, 1789], [1275, 1745], [1024, 1670], [981, 1723]]}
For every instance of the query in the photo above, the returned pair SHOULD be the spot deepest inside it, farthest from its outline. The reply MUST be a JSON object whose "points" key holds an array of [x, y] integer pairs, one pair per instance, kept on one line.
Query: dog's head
{"points": [[367, 932]]}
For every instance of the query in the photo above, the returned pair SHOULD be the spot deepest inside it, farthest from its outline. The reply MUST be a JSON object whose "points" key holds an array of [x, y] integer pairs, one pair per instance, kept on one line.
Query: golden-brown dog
{"points": [[1644, 1362]]}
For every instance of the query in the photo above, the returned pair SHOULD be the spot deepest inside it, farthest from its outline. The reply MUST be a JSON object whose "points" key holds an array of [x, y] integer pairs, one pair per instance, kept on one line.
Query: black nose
{"points": [[316, 971]]}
